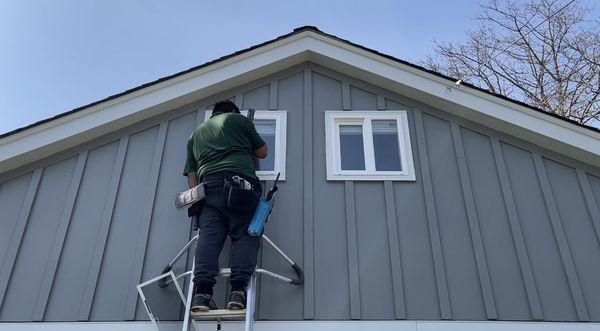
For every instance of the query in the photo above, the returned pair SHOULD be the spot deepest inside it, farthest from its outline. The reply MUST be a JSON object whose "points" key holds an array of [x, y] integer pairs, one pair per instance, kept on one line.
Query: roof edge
{"points": [[157, 81], [295, 31]]}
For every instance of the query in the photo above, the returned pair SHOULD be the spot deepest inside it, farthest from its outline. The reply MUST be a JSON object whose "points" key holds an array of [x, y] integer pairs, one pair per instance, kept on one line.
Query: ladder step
{"points": [[225, 272], [223, 314]]}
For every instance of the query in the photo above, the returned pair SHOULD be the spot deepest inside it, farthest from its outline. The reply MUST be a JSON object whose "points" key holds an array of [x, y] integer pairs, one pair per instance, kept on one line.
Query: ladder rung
{"points": [[223, 314], [225, 272]]}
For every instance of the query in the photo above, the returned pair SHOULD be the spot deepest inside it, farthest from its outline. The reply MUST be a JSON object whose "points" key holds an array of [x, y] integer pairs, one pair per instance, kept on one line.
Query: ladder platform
{"points": [[223, 314]]}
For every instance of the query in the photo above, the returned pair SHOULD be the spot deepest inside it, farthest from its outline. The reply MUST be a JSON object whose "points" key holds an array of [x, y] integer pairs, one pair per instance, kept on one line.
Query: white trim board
{"points": [[310, 326], [68, 131], [333, 120]]}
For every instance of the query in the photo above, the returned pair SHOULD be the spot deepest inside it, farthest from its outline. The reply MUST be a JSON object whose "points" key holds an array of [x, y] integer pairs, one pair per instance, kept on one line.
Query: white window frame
{"points": [[280, 117], [333, 120]]}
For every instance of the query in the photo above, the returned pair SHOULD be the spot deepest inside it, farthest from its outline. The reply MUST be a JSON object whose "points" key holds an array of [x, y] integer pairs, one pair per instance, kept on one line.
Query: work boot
{"points": [[203, 303], [237, 300]]}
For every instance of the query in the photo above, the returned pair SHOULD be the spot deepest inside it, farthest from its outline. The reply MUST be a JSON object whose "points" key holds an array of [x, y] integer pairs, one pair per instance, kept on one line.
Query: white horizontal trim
{"points": [[364, 118], [51, 137], [309, 326], [280, 148]]}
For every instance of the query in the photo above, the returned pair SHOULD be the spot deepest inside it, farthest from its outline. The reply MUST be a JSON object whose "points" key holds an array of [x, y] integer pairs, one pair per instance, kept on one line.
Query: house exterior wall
{"points": [[492, 228]]}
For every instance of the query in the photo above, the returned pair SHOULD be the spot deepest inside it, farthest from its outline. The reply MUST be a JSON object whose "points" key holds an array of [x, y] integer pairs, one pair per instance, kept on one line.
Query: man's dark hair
{"points": [[225, 106]]}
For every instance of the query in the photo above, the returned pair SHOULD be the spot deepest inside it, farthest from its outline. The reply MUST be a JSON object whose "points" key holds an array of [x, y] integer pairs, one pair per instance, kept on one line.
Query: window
{"points": [[368, 145], [271, 126]]}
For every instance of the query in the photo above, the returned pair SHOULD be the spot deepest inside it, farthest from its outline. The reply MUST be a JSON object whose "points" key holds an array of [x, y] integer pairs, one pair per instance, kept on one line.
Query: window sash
{"points": [[268, 129], [338, 144], [387, 132]]}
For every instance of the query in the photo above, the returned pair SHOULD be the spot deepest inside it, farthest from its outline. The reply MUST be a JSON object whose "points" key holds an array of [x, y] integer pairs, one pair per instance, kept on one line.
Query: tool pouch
{"points": [[239, 195], [187, 198]]}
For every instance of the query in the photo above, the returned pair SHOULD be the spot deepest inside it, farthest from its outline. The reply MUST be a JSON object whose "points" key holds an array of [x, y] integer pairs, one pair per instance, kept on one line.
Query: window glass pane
{"points": [[352, 150], [386, 145], [266, 130]]}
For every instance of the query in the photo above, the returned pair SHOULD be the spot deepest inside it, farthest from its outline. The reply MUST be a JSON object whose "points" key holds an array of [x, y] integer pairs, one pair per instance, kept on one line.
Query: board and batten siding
{"points": [[493, 228]]}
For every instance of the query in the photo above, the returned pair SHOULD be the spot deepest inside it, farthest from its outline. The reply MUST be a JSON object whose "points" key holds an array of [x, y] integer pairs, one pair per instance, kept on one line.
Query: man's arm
{"points": [[259, 148], [191, 166], [261, 153], [192, 179]]}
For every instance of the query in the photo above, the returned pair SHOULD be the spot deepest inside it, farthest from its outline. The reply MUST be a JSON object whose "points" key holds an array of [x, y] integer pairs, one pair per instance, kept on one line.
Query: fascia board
{"points": [[48, 138], [462, 98], [65, 132], [447, 85]]}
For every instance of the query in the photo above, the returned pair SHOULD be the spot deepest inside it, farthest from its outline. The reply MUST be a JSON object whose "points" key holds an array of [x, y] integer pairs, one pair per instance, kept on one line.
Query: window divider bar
{"points": [[369, 150], [401, 144]]}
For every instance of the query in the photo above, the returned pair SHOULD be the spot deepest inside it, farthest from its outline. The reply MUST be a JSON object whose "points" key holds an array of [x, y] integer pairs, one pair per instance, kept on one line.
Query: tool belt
{"points": [[239, 194]]}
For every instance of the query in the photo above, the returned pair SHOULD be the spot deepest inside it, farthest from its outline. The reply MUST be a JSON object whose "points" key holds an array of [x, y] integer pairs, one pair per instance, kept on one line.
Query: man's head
{"points": [[225, 106]]}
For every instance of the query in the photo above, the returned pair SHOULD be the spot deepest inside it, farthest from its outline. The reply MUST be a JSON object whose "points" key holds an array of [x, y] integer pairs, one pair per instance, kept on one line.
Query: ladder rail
{"points": [[274, 275], [182, 251], [188, 300], [277, 249], [299, 280], [167, 277], [250, 301], [159, 278]]}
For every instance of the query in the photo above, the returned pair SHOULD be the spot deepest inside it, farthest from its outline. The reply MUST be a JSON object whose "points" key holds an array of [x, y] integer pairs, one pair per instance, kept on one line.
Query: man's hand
{"points": [[192, 179], [261, 153]]}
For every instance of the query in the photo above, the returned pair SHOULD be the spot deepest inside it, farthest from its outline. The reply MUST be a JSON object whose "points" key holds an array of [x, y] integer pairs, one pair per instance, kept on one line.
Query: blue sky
{"points": [[56, 55]]}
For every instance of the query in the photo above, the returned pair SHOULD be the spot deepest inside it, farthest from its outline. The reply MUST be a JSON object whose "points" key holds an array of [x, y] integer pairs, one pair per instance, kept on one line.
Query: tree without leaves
{"points": [[554, 66]]}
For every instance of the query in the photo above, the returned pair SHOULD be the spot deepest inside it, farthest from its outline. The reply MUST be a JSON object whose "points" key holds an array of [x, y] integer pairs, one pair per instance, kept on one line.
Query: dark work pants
{"points": [[216, 222]]}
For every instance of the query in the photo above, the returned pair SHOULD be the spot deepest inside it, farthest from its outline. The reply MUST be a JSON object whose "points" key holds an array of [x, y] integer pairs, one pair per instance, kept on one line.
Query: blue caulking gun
{"points": [[262, 212]]}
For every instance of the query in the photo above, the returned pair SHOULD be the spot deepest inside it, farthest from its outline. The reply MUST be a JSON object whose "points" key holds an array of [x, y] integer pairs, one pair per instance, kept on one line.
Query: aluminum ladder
{"points": [[168, 277]]}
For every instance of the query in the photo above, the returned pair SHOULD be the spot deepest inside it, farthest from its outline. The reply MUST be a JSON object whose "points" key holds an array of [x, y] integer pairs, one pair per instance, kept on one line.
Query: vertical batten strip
{"points": [[96, 261], [561, 239], [239, 100], [393, 241], [517, 234], [309, 271], [15, 241], [432, 222], [199, 117], [380, 101], [147, 209], [352, 244], [346, 95], [59, 239], [477, 241], [588, 196], [351, 237], [263, 309], [273, 94]]}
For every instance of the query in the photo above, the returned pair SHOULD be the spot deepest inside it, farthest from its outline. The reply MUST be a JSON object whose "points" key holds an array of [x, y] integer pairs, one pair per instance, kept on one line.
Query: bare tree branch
{"points": [[554, 66]]}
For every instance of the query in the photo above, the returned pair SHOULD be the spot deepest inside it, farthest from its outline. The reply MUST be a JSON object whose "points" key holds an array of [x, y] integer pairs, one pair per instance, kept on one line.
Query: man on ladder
{"points": [[220, 154]]}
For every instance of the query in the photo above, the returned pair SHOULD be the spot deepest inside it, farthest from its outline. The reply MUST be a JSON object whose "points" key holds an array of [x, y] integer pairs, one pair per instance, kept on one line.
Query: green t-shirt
{"points": [[224, 142]]}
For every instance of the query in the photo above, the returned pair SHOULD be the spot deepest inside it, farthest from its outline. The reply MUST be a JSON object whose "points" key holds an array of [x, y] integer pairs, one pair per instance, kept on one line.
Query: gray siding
{"points": [[493, 227], [84, 230]]}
